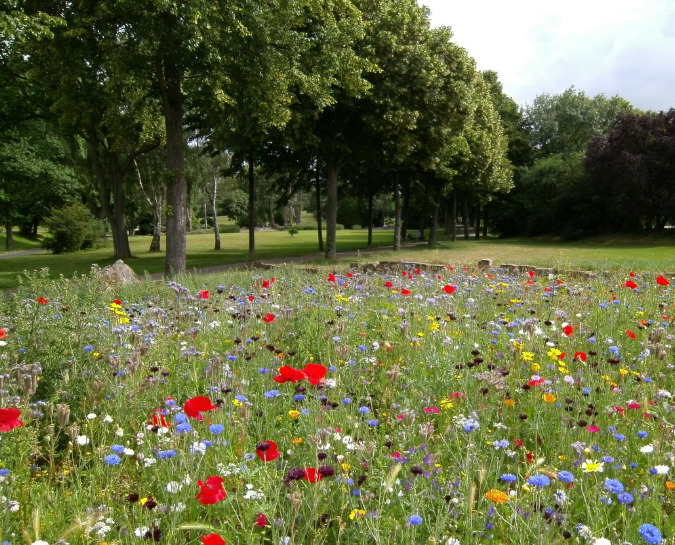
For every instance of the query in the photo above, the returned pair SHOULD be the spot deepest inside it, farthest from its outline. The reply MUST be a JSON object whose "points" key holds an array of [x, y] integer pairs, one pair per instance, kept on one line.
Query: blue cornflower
{"points": [[565, 476], [271, 394], [249, 457], [501, 444], [614, 486], [89, 348], [180, 418], [305, 411], [166, 454], [508, 478], [606, 500], [119, 449], [347, 400], [183, 428], [112, 459], [299, 397], [471, 425], [608, 459], [415, 520], [625, 497], [364, 410], [650, 533], [614, 350], [620, 437], [4, 471], [585, 391], [263, 370], [373, 422], [240, 398], [642, 434], [539, 480], [363, 347], [216, 429], [232, 357]]}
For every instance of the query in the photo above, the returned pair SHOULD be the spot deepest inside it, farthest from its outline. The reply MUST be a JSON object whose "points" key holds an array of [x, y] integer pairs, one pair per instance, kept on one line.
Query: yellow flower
{"points": [[434, 326], [237, 403], [554, 353], [297, 440], [591, 466], [357, 513], [293, 413], [497, 496], [623, 372], [535, 367], [446, 403], [345, 467]]}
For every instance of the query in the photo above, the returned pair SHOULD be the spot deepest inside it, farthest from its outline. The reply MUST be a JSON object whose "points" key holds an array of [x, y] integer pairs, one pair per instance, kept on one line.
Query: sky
{"points": [[618, 47]]}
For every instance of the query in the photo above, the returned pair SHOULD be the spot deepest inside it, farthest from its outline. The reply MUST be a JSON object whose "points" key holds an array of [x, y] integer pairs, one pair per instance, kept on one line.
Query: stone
{"points": [[117, 274]]}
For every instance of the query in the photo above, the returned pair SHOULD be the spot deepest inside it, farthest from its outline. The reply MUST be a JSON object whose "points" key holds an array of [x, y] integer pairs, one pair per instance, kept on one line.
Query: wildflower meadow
{"points": [[452, 406]]}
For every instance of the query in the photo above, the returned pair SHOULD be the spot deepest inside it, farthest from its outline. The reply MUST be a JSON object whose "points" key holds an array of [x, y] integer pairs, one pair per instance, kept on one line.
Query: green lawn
{"points": [[620, 253], [20, 243], [269, 245]]}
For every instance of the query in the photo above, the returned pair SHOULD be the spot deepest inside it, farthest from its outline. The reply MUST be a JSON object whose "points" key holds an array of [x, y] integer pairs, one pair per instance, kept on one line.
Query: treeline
{"points": [[154, 112]]}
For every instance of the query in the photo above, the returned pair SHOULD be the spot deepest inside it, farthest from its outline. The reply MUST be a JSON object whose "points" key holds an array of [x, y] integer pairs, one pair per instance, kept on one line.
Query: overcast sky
{"points": [[617, 47]]}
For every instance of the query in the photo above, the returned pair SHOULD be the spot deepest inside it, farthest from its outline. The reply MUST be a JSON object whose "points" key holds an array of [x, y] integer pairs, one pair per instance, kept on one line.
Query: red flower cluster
{"points": [[313, 372], [662, 281], [267, 451], [42, 301], [269, 317], [211, 491], [193, 407], [204, 294], [9, 419], [213, 539]]}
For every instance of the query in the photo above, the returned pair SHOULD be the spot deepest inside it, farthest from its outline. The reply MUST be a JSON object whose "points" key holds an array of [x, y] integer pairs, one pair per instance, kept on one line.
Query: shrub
{"points": [[293, 231], [356, 227], [228, 228], [73, 228]]}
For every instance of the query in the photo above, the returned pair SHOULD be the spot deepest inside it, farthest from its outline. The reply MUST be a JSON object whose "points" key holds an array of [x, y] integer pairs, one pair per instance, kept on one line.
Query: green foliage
{"points": [[228, 228], [73, 228], [293, 230]]}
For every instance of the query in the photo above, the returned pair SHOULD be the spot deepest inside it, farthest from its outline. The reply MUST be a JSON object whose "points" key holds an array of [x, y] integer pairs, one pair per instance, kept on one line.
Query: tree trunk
{"points": [[206, 216], [423, 217], [251, 209], [476, 235], [298, 209], [465, 214], [448, 217], [317, 186], [9, 239], [214, 198], [397, 212], [485, 221], [434, 217], [371, 197], [169, 77], [331, 211], [405, 214], [454, 215], [156, 205], [113, 205]]}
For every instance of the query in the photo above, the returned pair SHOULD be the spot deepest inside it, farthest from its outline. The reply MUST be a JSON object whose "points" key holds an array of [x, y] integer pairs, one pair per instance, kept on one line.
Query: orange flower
{"points": [[548, 398], [510, 402], [497, 496], [670, 485]]}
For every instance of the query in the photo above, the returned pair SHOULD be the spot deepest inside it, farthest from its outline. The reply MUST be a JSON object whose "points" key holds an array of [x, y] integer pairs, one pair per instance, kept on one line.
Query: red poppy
{"points": [[159, 420], [261, 520], [531, 273], [212, 491], [2, 334], [630, 284], [633, 405], [518, 442], [448, 289], [204, 294], [529, 456], [289, 374], [193, 407], [331, 277], [661, 281], [580, 356], [314, 373], [42, 301], [559, 282], [404, 273], [388, 285], [630, 333], [9, 419], [312, 475], [265, 284], [632, 274], [536, 382], [267, 451], [418, 271], [349, 275], [213, 539], [405, 291], [117, 301], [269, 317], [568, 330]]}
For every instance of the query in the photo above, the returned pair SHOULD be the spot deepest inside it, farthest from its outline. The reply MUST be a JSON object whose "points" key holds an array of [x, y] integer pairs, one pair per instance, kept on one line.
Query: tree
{"points": [[632, 172], [565, 123]]}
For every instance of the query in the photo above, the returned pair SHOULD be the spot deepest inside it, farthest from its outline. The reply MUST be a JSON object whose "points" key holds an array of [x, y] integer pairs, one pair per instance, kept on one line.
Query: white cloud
{"points": [[599, 46]]}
